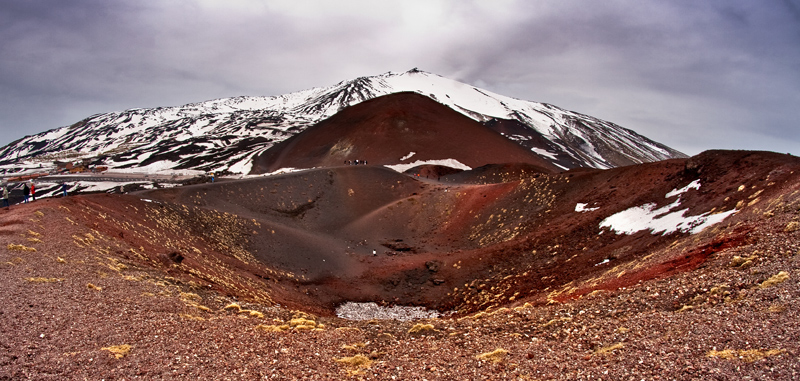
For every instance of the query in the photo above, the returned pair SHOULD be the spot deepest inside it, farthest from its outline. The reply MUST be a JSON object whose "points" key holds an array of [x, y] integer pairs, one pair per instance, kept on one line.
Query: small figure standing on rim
{"points": [[64, 188], [5, 196], [26, 192]]}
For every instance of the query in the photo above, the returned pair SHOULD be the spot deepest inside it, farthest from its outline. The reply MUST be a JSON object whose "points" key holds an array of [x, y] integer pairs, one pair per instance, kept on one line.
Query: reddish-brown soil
{"points": [[523, 271]]}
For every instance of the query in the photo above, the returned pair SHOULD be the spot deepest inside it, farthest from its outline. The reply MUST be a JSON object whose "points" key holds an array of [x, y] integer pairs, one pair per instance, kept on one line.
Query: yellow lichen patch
{"points": [[523, 307], [191, 317], [357, 361], [421, 328], [191, 296], [252, 313], [747, 355], [256, 314], [34, 240], [233, 306], [119, 351], [199, 307], [61, 260], [93, 287], [792, 226], [474, 316], [775, 280], [741, 262], [685, 308], [354, 347], [722, 289], [554, 321], [609, 349], [38, 213], [495, 356], [300, 324], [273, 328], [15, 247], [115, 265], [44, 280], [33, 233], [600, 291], [776, 308]]}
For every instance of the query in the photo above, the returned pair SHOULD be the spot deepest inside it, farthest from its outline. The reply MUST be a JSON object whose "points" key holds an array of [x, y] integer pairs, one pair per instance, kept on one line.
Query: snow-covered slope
{"points": [[225, 134]]}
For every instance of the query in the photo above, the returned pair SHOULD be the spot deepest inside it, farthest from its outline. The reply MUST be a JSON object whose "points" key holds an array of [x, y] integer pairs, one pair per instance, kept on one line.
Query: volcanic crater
{"points": [[467, 241]]}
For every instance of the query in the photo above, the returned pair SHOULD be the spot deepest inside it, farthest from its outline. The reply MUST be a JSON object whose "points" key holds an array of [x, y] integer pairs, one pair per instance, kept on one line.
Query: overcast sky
{"points": [[694, 75]]}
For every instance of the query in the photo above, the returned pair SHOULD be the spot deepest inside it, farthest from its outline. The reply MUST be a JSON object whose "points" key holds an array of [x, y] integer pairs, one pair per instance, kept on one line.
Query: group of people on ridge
{"points": [[355, 162], [28, 193]]}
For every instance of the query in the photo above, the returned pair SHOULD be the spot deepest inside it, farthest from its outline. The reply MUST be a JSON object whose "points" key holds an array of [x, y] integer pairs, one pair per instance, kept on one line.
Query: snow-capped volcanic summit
{"points": [[226, 134]]}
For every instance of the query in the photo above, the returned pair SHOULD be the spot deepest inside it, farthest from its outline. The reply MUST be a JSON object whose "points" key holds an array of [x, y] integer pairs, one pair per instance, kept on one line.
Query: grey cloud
{"points": [[694, 75]]}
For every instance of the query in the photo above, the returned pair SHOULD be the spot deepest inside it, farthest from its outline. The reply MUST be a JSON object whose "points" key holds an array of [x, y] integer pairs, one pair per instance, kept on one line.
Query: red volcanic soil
{"points": [[524, 272], [509, 233], [385, 129]]}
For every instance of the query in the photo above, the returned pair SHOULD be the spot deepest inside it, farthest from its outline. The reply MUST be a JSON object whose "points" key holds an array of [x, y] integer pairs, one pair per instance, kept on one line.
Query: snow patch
{"points": [[603, 262], [452, 163], [153, 168], [371, 310], [581, 207], [169, 171], [406, 157], [284, 171], [545, 153], [675, 192], [243, 166], [663, 220]]}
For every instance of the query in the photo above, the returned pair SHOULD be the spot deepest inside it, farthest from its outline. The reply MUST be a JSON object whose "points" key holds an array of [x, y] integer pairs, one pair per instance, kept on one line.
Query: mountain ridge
{"points": [[227, 133]]}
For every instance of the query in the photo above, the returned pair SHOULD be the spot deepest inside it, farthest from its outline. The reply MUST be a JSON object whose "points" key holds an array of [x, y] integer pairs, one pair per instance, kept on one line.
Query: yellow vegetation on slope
{"points": [[119, 351], [747, 355], [495, 356], [420, 328], [15, 247], [775, 279]]}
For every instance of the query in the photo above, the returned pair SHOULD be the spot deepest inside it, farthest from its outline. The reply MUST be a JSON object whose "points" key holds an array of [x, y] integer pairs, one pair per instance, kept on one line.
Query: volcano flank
{"points": [[387, 129]]}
